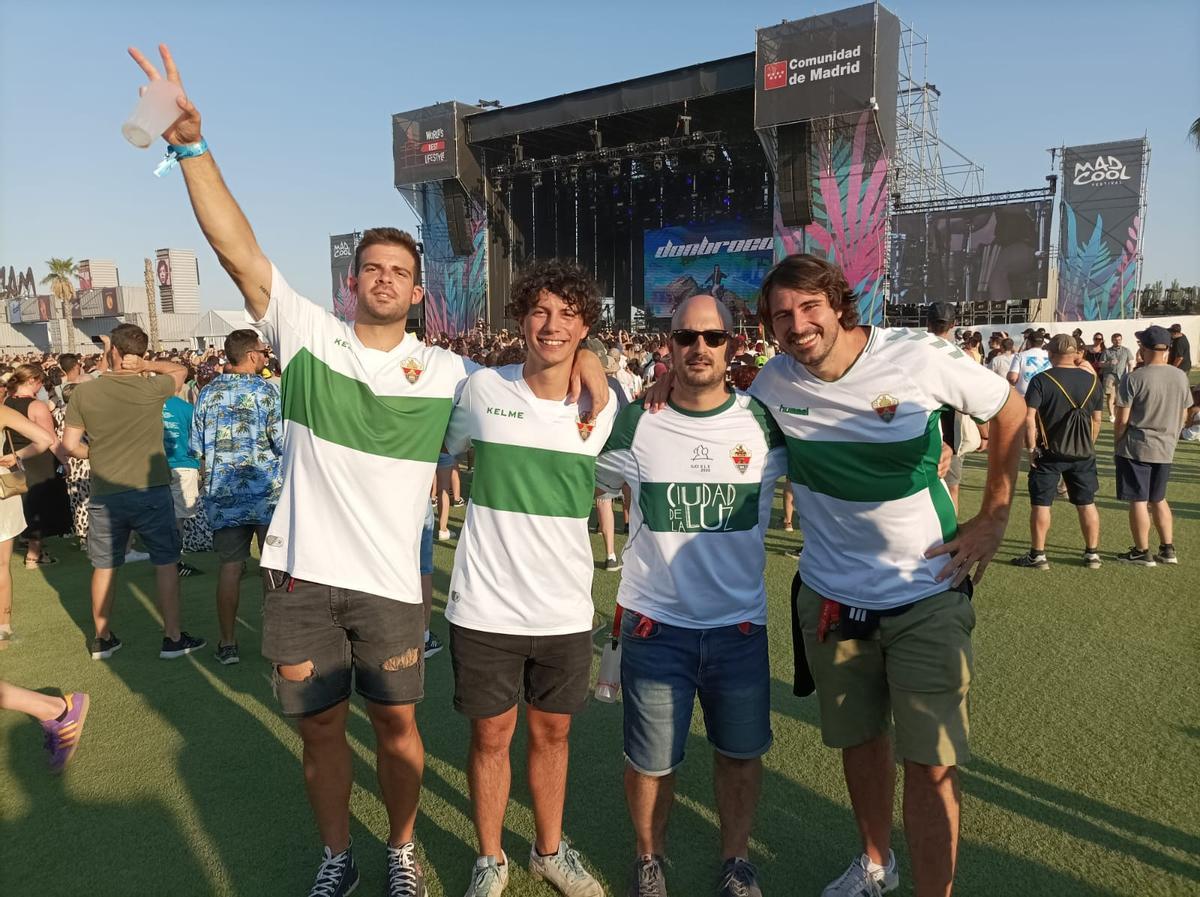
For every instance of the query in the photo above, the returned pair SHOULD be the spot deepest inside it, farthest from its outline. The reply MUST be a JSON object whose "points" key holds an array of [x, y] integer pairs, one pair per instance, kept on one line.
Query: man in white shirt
{"points": [[883, 605], [693, 603], [364, 404], [520, 605], [1028, 363]]}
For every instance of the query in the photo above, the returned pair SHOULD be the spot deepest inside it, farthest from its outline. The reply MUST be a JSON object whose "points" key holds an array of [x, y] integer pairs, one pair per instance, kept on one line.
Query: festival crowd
{"points": [[347, 477]]}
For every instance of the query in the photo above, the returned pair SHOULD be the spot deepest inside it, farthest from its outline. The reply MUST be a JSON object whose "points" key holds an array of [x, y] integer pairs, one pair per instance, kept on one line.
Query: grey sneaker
{"points": [[1032, 560], [859, 881], [404, 875], [1166, 555], [489, 878], [565, 871], [648, 878], [1091, 558], [739, 878], [228, 654], [612, 565], [433, 645]]}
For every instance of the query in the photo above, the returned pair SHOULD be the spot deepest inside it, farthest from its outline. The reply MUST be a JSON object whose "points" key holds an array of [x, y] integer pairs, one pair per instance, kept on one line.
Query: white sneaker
{"points": [[443, 535], [861, 881], [565, 871], [489, 878]]}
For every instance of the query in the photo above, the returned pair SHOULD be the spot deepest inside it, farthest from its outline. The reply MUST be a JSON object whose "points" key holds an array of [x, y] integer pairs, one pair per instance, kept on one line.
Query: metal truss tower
{"points": [[924, 167]]}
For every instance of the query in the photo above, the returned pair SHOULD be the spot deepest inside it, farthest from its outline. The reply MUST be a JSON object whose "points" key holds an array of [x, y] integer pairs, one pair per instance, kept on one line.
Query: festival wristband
{"points": [[175, 153]]}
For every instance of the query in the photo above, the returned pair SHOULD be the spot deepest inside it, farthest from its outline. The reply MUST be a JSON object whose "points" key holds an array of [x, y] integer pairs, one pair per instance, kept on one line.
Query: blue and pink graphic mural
{"points": [[455, 285]]}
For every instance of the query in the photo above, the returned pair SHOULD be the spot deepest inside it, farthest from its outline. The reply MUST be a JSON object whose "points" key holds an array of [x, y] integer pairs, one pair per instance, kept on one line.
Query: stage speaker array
{"points": [[458, 216], [792, 179]]}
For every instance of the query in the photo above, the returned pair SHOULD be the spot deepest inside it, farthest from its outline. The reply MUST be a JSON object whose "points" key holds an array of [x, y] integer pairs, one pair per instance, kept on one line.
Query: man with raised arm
{"points": [[365, 408]]}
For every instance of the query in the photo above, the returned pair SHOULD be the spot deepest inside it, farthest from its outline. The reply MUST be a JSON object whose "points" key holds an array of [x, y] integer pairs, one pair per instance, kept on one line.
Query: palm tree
{"points": [[59, 279], [1194, 132]]}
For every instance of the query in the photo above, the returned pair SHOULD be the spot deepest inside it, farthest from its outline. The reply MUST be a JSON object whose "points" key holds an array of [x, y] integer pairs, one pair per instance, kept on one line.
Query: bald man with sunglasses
{"points": [[694, 605]]}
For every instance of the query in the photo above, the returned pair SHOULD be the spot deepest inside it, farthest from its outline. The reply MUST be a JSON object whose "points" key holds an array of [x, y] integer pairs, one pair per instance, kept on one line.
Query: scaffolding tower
{"points": [[924, 167]]}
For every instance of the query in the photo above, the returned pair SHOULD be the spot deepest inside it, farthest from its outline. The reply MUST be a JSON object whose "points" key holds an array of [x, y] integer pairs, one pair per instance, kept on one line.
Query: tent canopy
{"points": [[219, 324]]}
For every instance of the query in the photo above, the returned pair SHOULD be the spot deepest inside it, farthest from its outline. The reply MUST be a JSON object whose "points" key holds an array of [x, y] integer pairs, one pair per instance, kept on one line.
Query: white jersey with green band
{"points": [[362, 431], [523, 565], [702, 485], [863, 453]]}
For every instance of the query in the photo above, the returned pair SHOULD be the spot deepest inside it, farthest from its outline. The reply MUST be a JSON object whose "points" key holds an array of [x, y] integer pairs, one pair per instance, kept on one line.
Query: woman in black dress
{"points": [[47, 510]]}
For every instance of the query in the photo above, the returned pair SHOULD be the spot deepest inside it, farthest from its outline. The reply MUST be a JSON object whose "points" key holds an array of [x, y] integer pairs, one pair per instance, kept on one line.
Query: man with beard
{"points": [[365, 408], [694, 604], [884, 603], [520, 608]]}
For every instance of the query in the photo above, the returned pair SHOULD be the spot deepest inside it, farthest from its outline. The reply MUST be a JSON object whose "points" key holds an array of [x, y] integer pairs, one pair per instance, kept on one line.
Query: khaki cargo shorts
{"points": [[915, 670]]}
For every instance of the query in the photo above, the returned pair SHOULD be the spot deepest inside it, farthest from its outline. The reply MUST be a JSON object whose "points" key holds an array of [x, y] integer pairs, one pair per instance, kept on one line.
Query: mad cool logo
{"points": [[1103, 170], [342, 250]]}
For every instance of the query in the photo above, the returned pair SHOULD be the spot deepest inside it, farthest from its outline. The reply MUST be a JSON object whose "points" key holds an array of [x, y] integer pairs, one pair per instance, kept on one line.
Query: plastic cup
{"points": [[155, 111]]}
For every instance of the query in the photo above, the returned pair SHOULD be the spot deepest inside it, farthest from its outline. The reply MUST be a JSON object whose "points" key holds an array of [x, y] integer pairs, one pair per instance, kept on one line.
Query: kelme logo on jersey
{"points": [[699, 507], [412, 370], [885, 406], [741, 457]]}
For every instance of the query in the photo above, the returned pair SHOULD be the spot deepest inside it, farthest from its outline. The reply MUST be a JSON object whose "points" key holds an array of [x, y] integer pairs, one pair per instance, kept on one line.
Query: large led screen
{"points": [[727, 260]]}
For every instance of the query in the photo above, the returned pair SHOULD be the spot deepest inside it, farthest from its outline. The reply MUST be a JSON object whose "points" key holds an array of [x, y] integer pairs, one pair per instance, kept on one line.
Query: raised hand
{"points": [[186, 128]]}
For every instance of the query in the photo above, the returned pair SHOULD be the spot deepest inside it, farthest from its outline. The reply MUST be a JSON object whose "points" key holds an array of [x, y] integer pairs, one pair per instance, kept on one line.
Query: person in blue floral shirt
{"points": [[237, 433]]}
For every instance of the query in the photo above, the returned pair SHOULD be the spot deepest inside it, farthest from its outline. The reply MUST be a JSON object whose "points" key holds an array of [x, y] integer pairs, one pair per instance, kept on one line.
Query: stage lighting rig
{"points": [[708, 156], [490, 104], [537, 179], [597, 137], [657, 164], [614, 170]]}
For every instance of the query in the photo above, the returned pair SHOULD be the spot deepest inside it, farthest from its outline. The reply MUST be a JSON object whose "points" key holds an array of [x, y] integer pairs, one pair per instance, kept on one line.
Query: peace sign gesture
{"points": [[186, 128]]}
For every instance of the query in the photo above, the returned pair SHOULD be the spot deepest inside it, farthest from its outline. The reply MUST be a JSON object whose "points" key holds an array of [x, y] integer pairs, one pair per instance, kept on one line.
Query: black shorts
{"points": [[377, 643], [1080, 477], [490, 670], [1141, 480]]}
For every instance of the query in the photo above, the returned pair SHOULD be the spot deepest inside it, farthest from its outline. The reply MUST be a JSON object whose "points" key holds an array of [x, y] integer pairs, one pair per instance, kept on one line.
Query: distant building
{"points": [[178, 277], [97, 273]]}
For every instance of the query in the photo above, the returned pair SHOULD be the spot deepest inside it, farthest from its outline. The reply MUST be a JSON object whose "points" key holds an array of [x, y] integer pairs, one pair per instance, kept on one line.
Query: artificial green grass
{"points": [[1085, 732]]}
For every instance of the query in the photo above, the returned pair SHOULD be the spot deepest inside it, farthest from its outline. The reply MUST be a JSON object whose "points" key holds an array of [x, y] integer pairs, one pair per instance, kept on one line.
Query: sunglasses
{"points": [[712, 338]]}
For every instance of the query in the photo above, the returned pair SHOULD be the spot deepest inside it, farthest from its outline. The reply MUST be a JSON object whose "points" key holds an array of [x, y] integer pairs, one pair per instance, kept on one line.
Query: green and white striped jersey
{"points": [[362, 431], [702, 485], [524, 564], [862, 457]]}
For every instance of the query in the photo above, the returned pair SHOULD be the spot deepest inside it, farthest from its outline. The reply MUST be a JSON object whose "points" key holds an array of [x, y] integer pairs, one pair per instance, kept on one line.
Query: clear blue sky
{"points": [[297, 100]]}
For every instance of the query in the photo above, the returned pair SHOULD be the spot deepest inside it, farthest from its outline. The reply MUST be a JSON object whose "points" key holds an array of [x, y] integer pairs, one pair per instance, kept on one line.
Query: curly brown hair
{"points": [[810, 274], [566, 279]]}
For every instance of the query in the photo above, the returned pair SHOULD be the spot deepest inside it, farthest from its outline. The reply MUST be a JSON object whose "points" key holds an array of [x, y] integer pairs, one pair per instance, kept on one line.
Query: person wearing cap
{"points": [[1115, 363], [1152, 404], [1180, 355], [1061, 425]]}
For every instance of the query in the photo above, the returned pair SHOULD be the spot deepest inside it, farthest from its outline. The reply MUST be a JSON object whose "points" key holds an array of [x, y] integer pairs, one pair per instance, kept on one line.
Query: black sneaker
{"points": [[1139, 556], [1030, 559], [612, 565], [185, 644], [433, 645], [188, 570], [1166, 555], [104, 648], [228, 654], [337, 876], [404, 875], [739, 878], [648, 877]]}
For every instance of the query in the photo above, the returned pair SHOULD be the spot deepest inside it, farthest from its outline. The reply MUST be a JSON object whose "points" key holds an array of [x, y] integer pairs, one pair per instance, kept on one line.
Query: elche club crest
{"points": [[741, 457], [885, 406], [412, 370], [584, 427]]}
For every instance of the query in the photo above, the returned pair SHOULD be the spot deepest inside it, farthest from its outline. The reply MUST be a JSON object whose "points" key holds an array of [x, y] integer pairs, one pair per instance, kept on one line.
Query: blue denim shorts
{"points": [[664, 668], [427, 542], [148, 512]]}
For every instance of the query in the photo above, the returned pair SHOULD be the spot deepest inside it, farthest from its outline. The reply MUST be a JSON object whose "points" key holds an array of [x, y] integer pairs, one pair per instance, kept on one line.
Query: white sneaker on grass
{"points": [[865, 879], [489, 878], [565, 871]]}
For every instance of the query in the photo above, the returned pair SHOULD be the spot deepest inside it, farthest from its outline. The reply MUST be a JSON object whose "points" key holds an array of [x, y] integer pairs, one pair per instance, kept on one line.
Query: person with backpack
{"points": [[1061, 425]]}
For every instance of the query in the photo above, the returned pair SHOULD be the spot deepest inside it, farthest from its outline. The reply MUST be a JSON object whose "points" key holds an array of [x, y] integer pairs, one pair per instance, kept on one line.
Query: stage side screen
{"points": [[727, 260], [980, 254]]}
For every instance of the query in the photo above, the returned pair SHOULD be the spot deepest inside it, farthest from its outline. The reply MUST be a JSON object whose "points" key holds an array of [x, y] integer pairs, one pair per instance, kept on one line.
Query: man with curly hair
{"points": [[520, 607]]}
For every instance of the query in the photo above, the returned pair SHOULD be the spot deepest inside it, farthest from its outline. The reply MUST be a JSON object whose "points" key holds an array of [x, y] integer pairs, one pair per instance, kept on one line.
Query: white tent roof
{"points": [[222, 323]]}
